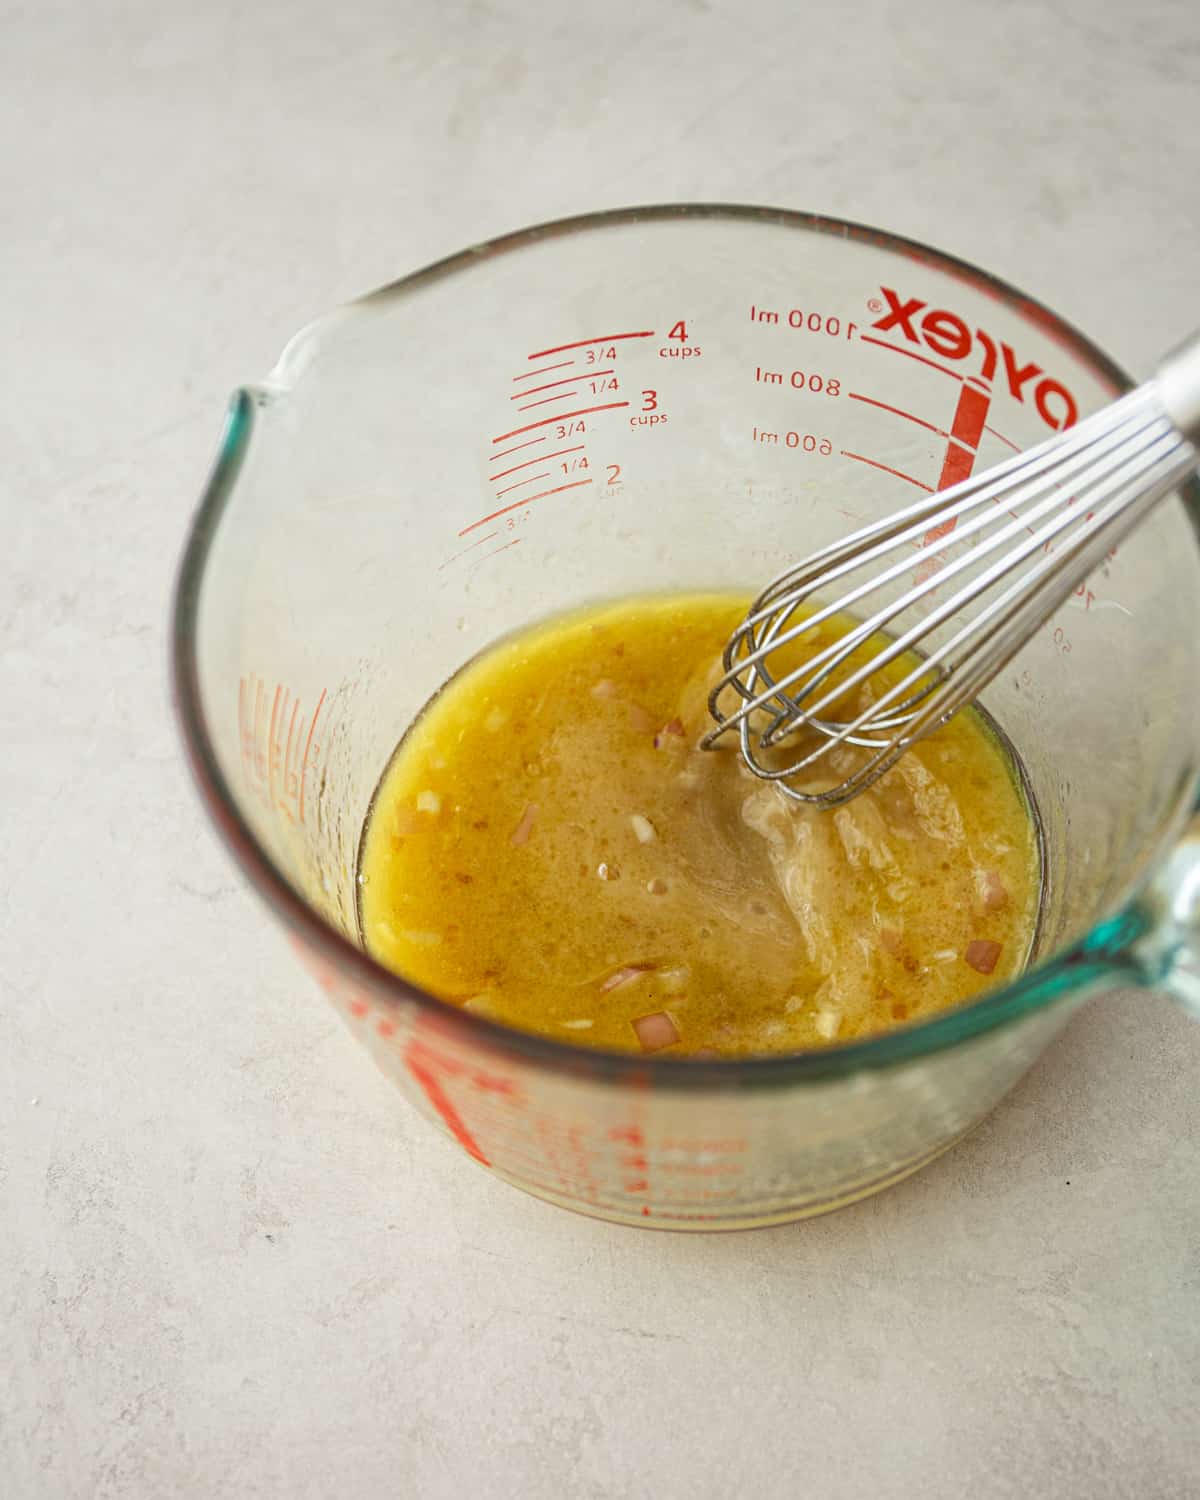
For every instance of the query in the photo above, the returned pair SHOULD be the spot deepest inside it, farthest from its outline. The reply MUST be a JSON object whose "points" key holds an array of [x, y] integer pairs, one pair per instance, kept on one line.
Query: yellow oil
{"points": [[550, 847]]}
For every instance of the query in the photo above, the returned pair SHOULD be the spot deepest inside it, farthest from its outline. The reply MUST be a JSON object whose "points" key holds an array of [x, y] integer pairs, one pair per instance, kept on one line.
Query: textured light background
{"points": [[232, 1263]]}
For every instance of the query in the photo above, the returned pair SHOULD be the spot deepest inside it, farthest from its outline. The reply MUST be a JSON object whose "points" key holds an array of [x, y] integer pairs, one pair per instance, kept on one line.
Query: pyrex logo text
{"points": [[947, 335]]}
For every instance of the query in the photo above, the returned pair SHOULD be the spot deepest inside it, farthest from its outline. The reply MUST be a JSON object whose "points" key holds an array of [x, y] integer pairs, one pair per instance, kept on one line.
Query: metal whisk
{"points": [[999, 553]]}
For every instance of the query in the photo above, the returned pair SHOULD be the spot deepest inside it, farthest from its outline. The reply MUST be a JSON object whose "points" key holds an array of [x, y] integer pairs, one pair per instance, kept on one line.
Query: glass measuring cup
{"points": [[649, 400]]}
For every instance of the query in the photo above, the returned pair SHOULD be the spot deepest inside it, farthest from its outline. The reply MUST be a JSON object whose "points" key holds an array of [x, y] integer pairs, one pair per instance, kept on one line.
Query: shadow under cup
{"points": [[639, 402]]}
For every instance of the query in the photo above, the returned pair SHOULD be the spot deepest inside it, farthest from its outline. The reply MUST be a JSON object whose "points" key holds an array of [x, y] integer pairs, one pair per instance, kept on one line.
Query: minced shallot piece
{"points": [[524, 828], [405, 821], [626, 974], [656, 1031], [828, 1023], [643, 827], [419, 939], [982, 954], [673, 730], [657, 886], [992, 891], [640, 720]]}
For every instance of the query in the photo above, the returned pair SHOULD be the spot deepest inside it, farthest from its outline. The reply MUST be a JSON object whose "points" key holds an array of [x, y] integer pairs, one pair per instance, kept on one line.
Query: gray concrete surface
{"points": [[232, 1263]]}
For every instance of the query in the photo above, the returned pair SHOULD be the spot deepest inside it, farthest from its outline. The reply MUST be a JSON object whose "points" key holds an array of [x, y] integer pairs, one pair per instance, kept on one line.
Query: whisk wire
{"points": [[770, 638], [1013, 542]]}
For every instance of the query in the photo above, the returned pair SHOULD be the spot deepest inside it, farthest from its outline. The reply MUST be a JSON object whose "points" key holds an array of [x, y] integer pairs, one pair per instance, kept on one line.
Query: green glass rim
{"points": [[1100, 956]]}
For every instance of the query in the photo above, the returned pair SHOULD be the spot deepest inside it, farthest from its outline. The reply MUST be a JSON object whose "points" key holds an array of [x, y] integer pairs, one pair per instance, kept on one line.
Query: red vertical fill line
{"points": [[965, 432]]}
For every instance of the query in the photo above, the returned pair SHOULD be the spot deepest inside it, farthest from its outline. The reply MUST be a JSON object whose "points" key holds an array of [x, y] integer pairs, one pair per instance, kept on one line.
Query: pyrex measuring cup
{"points": [[658, 399]]}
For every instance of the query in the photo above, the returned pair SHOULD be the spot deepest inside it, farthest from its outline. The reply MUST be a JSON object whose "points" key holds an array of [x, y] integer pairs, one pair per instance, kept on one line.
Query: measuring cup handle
{"points": [[1169, 948], [1178, 378]]}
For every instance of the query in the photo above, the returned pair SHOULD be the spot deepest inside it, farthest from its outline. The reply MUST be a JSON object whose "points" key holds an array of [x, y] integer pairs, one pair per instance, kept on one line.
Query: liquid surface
{"points": [[550, 847]]}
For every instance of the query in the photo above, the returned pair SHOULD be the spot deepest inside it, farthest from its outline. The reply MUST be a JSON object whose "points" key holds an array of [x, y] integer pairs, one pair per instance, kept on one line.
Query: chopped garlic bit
{"points": [[524, 828], [605, 688], [657, 886], [675, 979], [644, 828], [429, 802], [792, 1004], [943, 955], [580, 1025], [828, 1023], [607, 871], [495, 720]]}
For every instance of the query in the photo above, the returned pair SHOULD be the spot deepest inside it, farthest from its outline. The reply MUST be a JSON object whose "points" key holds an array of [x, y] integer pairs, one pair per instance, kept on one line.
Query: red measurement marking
{"points": [[471, 548], [608, 338], [528, 500], [563, 416], [518, 446], [588, 375], [1008, 442], [508, 488], [271, 747], [899, 473], [545, 370], [883, 406], [258, 713], [421, 1065], [288, 774], [896, 349], [546, 400], [307, 747], [242, 737], [516, 542], [542, 458]]}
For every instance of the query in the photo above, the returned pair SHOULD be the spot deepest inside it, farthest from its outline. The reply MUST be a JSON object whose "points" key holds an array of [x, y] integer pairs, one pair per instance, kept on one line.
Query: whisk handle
{"points": [[1178, 381]]}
